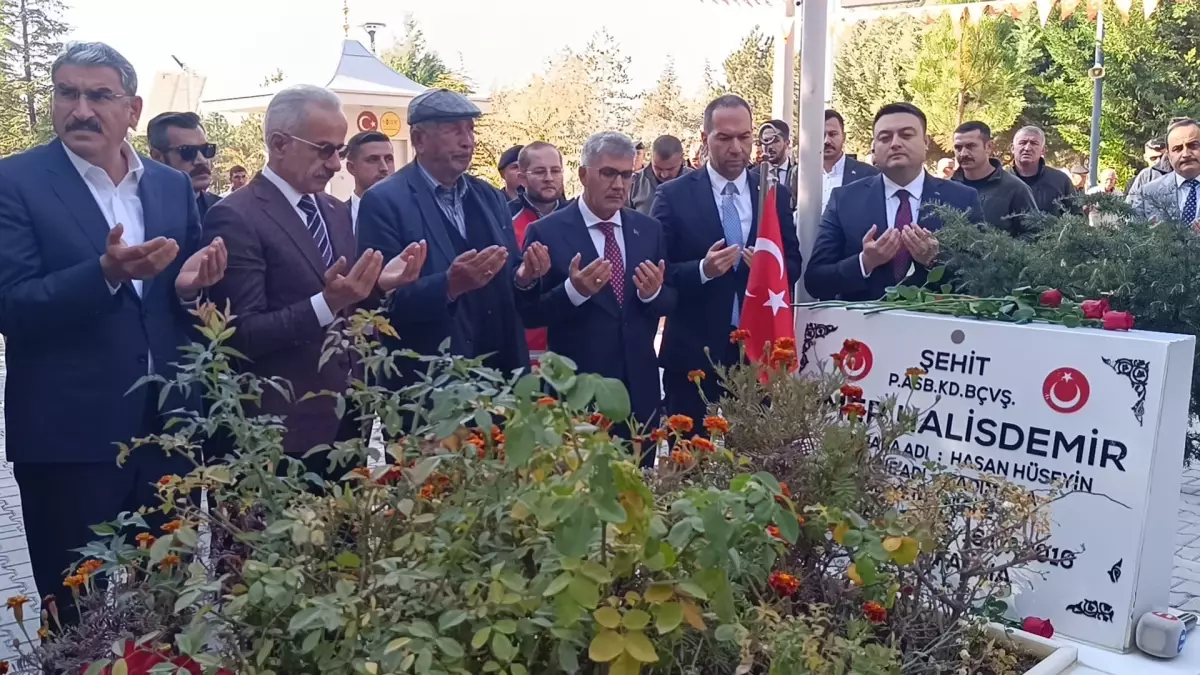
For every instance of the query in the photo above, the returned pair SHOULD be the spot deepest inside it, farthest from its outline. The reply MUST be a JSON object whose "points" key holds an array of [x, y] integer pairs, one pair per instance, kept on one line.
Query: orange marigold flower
{"points": [[658, 435], [915, 372], [145, 539], [854, 410], [716, 425], [497, 435], [3, 667], [681, 457], [361, 472], [739, 335], [599, 420], [17, 605], [547, 401], [783, 358], [392, 475], [852, 392], [43, 633], [168, 561], [851, 345], [167, 480], [786, 343], [172, 527], [838, 358], [696, 376], [787, 492], [875, 612], [775, 534], [680, 424], [75, 581], [90, 567], [703, 444], [784, 584], [426, 492]]}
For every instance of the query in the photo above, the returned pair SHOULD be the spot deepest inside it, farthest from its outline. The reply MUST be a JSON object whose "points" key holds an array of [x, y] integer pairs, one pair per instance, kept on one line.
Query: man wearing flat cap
{"points": [[466, 290], [510, 171]]}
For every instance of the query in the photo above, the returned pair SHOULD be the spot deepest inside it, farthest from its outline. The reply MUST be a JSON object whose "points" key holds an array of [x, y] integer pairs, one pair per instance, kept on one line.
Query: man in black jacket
{"points": [[1005, 198], [177, 139], [1158, 164], [1051, 188]]}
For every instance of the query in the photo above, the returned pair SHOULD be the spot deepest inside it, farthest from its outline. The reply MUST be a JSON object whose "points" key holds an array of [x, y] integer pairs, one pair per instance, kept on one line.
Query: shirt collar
{"points": [[591, 219], [838, 167], [132, 161], [460, 184], [291, 194], [719, 182], [354, 199], [1179, 181], [914, 188]]}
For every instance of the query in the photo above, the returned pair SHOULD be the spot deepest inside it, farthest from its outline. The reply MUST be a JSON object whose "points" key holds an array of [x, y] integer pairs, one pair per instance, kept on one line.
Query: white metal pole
{"points": [[783, 105], [811, 129]]}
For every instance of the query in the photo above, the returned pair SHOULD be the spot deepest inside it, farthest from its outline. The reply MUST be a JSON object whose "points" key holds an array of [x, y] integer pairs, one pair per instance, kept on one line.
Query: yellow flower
{"points": [[17, 605], [852, 572]]}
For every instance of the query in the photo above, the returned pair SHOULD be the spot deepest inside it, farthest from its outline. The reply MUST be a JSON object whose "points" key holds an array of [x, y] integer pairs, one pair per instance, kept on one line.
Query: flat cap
{"points": [[441, 105], [509, 156]]}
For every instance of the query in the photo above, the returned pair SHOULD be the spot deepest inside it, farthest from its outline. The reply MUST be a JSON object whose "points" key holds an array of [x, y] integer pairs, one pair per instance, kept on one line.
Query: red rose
{"points": [[1037, 626], [1052, 297], [1118, 321], [1094, 309]]}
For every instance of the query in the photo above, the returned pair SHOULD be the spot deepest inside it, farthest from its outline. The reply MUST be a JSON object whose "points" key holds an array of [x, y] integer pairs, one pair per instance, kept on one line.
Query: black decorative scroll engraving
{"points": [[812, 333], [1093, 609], [1114, 573], [1138, 373]]}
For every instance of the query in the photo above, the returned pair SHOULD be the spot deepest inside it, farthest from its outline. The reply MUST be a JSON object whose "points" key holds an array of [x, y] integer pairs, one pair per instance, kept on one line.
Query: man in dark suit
{"points": [[466, 290], [289, 277], [710, 221], [178, 140], [100, 261], [839, 168], [875, 230], [604, 294]]}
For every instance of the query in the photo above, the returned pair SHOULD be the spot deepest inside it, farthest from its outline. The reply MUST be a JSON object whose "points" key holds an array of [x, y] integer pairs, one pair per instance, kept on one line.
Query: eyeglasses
{"points": [[610, 174], [94, 97], [188, 152], [544, 173], [324, 150]]}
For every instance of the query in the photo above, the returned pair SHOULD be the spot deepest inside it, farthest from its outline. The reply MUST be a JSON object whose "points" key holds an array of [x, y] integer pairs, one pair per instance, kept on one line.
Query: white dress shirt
{"points": [[320, 307], [1181, 192], [745, 207], [891, 204], [354, 202], [831, 179], [590, 221], [119, 203]]}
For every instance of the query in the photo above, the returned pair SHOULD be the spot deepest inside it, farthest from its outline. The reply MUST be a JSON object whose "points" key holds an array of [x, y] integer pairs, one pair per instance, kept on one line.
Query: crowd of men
{"points": [[103, 253]]}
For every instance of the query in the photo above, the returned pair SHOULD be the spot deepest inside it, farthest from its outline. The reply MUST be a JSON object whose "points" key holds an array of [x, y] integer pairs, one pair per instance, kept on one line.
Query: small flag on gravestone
{"points": [[767, 308]]}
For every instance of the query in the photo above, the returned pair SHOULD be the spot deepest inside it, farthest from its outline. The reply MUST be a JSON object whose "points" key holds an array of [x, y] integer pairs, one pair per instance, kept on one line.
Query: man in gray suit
{"points": [[1174, 196]]}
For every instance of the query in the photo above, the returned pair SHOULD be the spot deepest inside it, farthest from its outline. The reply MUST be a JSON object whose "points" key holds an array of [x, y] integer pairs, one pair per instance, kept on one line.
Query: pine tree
{"points": [[873, 69], [664, 110], [29, 49], [413, 59], [750, 72]]}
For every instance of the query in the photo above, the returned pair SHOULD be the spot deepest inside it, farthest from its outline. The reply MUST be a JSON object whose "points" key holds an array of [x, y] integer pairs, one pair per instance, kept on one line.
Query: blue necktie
{"points": [[731, 223], [1189, 204]]}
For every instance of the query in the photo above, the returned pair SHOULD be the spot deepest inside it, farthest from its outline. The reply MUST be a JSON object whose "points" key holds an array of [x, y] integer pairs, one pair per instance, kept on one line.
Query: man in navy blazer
{"points": [[603, 295], [710, 221], [99, 264], [878, 232], [467, 288]]}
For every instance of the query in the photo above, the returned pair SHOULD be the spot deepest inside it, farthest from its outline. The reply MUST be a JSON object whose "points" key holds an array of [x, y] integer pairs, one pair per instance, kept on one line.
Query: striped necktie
{"points": [[316, 228]]}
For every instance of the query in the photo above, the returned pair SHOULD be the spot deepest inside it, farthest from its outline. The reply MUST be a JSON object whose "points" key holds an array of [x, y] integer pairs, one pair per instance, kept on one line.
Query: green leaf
{"points": [[769, 482], [727, 632], [936, 274], [304, 619], [422, 629], [518, 669], [311, 641], [584, 592], [692, 588], [612, 399], [159, 549], [526, 387], [423, 470], [120, 668], [1071, 320], [596, 572], [97, 667], [607, 617], [502, 648], [186, 537], [907, 292], [348, 560], [264, 651], [739, 482], [396, 645], [519, 443], [450, 647], [568, 658], [506, 626], [609, 509], [606, 646], [560, 582], [450, 619], [667, 617], [639, 647], [680, 533], [481, 637], [788, 526], [853, 539], [636, 619], [1024, 314], [582, 392]]}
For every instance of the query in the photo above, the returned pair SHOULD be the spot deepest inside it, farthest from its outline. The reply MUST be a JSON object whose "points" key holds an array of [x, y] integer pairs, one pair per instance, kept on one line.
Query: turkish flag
{"points": [[767, 309]]}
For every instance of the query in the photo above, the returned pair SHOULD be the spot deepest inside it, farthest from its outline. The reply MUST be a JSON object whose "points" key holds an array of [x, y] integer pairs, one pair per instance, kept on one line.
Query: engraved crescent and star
{"points": [[774, 300]]}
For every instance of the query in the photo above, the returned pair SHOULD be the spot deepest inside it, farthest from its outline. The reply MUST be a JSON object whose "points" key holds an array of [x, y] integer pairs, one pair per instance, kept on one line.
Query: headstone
{"points": [[1103, 412]]}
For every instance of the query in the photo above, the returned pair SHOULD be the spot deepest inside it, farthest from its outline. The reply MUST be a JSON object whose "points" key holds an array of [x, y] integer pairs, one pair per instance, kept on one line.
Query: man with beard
{"points": [[1005, 198], [1050, 187], [542, 173], [467, 288], [369, 159], [838, 167], [666, 163], [293, 269], [178, 140]]}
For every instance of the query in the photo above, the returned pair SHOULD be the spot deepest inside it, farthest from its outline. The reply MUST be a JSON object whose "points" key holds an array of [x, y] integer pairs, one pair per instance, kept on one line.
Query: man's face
{"points": [[666, 168], [237, 180], [1108, 178], [372, 163], [1028, 148], [307, 168], [91, 111], [1183, 147], [639, 160], [185, 152], [606, 183], [972, 150], [512, 176], [1078, 180], [900, 142], [730, 140], [835, 139], [774, 145], [1152, 156], [544, 175], [446, 145]]}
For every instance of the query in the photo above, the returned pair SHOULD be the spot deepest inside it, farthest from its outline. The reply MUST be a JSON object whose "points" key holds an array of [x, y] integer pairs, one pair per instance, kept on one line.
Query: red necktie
{"points": [[612, 253], [904, 217]]}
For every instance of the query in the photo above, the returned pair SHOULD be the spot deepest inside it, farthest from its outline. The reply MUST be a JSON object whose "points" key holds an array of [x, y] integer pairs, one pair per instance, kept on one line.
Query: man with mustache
{"points": [[178, 140], [293, 269], [838, 168], [100, 261], [1050, 188], [1173, 197], [1006, 199]]}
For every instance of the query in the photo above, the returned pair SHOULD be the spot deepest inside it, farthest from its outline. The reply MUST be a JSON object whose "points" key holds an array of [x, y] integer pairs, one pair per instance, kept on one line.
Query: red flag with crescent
{"points": [[767, 308]]}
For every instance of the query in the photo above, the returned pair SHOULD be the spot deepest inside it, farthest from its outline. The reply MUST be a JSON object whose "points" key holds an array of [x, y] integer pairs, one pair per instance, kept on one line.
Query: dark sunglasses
{"points": [[324, 150], [188, 152]]}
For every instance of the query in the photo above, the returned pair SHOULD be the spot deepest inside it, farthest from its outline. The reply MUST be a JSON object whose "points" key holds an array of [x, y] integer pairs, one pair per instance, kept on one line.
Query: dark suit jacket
{"points": [[205, 201], [833, 270], [274, 270], [602, 336], [400, 210], [856, 170], [73, 347], [687, 209]]}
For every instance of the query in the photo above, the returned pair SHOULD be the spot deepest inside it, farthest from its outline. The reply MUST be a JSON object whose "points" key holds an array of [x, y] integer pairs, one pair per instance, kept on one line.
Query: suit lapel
{"points": [[430, 212], [635, 253], [878, 206], [930, 196], [752, 182], [341, 232], [579, 238], [702, 194], [152, 217], [77, 199], [285, 217]]}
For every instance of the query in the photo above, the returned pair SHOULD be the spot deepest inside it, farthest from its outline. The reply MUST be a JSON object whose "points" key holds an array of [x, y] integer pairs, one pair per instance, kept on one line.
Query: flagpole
{"points": [[766, 179]]}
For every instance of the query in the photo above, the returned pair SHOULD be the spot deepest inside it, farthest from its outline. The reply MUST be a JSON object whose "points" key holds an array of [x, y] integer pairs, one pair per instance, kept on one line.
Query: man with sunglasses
{"points": [[177, 139], [467, 289], [100, 261]]}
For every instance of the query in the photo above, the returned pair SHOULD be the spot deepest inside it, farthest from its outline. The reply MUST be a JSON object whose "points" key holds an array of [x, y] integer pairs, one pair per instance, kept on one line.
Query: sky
{"points": [[499, 44]]}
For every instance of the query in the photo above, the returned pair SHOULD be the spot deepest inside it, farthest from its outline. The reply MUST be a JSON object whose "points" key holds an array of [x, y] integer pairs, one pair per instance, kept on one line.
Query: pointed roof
{"points": [[361, 72]]}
